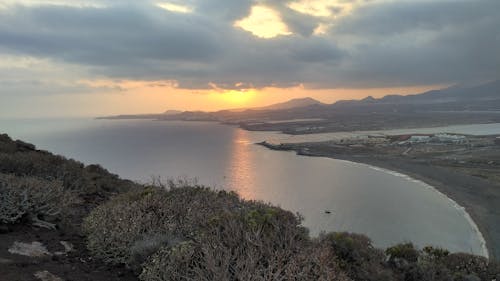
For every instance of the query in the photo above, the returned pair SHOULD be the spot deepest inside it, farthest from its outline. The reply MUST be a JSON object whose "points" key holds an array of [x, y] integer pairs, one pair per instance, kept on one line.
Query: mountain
{"points": [[483, 92], [484, 97], [293, 103], [172, 112], [456, 98]]}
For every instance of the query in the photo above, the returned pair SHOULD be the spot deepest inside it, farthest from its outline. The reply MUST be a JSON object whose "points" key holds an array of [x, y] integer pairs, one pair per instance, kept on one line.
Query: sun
{"points": [[238, 97]]}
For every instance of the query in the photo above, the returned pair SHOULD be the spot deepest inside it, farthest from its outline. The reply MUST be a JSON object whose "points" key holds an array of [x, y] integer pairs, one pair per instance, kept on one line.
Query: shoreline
{"points": [[468, 217], [476, 221], [426, 174]]}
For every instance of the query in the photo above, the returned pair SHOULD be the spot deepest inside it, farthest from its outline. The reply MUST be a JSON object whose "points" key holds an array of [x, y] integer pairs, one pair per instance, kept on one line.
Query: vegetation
{"points": [[193, 233], [183, 232], [357, 256], [31, 199], [22, 159]]}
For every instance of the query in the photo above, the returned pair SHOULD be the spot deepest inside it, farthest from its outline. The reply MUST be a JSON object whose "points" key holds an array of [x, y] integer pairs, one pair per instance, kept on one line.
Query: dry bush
{"points": [[180, 213], [257, 242], [200, 234], [436, 264], [31, 198]]}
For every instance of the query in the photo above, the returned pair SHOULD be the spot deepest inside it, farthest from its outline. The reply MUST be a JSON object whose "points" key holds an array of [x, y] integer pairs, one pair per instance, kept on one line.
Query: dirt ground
{"points": [[76, 265]]}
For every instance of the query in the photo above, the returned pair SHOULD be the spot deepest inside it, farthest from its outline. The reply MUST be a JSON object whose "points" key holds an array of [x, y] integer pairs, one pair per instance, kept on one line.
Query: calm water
{"points": [[387, 207]]}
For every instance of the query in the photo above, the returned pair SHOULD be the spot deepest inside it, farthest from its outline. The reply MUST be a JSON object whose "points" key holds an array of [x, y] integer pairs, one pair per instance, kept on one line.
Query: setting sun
{"points": [[238, 97]]}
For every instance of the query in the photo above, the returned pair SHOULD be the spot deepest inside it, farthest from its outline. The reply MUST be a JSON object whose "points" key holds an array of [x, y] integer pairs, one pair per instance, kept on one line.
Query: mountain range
{"points": [[456, 104]]}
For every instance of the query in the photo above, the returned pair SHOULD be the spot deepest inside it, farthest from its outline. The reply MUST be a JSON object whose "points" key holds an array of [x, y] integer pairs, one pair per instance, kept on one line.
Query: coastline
{"points": [[460, 189], [472, 211]]}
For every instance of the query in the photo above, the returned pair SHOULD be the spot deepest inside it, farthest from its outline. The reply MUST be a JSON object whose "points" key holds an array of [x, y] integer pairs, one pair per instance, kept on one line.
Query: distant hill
{"points": [[293, 103], [171, 112], [203, 115], [455, 94]]}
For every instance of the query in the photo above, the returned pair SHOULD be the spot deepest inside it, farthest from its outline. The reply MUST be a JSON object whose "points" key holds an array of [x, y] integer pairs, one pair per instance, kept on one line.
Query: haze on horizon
{"points": [[102, 57]]}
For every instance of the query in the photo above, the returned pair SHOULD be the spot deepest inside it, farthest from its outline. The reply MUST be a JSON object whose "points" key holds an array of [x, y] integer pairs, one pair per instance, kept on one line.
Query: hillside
{"points": [[43, 199]]}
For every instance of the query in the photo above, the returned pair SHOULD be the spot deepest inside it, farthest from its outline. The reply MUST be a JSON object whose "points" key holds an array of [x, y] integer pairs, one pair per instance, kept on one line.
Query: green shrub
{"points": [[357, 256], [434, 254], [406, 252], [32, 199]]}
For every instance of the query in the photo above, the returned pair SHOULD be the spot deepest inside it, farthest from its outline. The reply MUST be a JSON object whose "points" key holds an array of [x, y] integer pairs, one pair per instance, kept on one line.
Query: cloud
{"points": [[263, 22], [176, 8], [417, 42], [366, 43]]}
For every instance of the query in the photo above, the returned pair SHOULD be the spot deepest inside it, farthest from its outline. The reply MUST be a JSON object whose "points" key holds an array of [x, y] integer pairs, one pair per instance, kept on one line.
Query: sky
{"points": [[104, 57]]}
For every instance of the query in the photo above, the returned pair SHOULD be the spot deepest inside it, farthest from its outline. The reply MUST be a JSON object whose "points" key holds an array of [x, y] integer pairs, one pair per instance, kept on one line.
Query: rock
{"points": [[35, 249], [68, 247], [47, 276]]}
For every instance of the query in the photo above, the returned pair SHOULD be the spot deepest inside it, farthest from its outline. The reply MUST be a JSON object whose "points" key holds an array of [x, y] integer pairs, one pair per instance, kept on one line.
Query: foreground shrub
{"points": [[436, 264], [32, 199], [357, 256], [403, 252], [193, 233], [465, 266], [258, 242], [180, 213]]}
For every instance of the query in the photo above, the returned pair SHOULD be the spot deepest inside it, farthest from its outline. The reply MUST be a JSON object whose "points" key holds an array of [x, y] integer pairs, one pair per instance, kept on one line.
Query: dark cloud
{"points": [[378, 44], [389, 18], [411, 43], [118, 35], [35, 87]]}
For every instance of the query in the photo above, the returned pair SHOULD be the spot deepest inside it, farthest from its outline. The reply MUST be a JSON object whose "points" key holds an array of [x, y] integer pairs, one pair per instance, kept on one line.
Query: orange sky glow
{"points": [[135, 97]]}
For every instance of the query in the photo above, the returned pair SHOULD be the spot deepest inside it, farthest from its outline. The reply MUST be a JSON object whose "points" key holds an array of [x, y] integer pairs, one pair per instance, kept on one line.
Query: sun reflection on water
{"points": [[241, 175]]}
